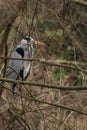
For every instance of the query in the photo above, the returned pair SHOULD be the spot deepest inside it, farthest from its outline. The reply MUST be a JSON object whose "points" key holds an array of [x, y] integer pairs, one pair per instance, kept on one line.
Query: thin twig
{"points": [[33, 17], [5, 65], [20, 119], [5, 60]]}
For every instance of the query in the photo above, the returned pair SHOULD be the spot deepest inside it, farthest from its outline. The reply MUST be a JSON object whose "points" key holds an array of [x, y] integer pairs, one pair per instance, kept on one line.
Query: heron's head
{"points": [[28, 40]]}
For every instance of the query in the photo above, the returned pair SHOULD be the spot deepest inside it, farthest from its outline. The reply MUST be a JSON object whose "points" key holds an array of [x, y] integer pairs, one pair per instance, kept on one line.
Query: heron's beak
{"points": [[39, 43]]}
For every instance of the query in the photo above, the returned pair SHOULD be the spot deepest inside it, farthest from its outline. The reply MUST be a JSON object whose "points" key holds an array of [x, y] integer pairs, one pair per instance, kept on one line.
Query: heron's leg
{"points": [[13, 88], [21, 73]]}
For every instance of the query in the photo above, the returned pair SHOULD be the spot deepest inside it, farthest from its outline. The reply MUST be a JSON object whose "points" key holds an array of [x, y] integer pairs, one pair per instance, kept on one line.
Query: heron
{"points": [[21, 68]]}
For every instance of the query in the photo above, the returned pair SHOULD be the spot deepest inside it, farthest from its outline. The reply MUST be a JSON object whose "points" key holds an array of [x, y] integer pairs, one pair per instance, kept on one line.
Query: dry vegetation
{"points": [[48, 103]]}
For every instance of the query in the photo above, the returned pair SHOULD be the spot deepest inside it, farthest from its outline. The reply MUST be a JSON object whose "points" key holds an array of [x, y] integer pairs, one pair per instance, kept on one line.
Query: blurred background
{"points": [[62, 26]]}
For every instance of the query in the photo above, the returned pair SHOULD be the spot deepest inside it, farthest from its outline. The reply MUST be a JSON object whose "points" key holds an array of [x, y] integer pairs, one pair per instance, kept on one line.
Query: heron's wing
{"points": [[15, 66]]}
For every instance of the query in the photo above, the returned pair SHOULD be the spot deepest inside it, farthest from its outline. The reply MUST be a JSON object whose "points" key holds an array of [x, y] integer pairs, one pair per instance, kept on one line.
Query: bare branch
{"points": [[59, 63], [44, 85]]}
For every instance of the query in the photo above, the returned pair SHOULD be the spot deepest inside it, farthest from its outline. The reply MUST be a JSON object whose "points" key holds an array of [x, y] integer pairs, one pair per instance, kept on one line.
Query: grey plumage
{"points": [[20, 68]]}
